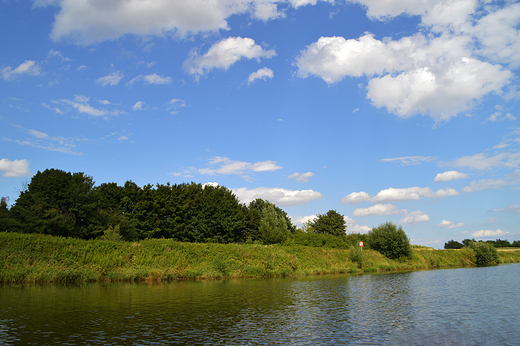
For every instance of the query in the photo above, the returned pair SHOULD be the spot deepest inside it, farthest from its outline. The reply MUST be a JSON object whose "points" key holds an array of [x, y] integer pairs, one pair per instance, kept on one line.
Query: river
{"points": [[466, 306]]}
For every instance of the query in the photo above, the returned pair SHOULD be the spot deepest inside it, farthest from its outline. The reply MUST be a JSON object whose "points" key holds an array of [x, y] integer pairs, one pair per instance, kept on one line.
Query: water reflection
{"points": [[473, 306]]}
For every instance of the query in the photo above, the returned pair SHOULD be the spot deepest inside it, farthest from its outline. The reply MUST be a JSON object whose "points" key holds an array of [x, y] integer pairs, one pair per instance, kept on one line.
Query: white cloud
{"points": [[175, 104], [415, 217], [379, 209], [214, 184], [356, 197], [300, 220], [262, 73], [42, 140], [225, 53], [483, 161], [488, 233], [138, 106], [449, 176], [278, 196], [303, 178], [111, 79], [354, 227], [449, 224], [412, 193], [410, 160], [28, 67], [497, 116], [150, 79], [14, 169], [81, 103], [515, 208]]}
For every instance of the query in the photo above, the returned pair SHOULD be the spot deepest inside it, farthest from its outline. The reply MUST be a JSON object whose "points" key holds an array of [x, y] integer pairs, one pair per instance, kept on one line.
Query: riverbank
{"points": [[29, 258]]}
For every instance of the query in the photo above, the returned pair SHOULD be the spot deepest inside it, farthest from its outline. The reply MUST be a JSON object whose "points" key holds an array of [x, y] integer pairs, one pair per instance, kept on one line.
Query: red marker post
{"points": [[361, 245]]}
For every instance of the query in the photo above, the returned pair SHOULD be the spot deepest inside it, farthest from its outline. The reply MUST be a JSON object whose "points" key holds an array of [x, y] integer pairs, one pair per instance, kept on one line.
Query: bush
{"points": [[453, 244], [356, 255], [390, 241], [484, 253]]}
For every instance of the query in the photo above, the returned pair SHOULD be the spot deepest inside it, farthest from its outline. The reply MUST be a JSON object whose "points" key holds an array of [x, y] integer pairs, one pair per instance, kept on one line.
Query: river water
{"points": [[470, 306]]}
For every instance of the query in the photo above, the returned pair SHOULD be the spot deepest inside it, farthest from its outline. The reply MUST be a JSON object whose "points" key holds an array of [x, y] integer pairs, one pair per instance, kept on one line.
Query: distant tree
{"points": [[390, 241], [7, 222], [501, 243], [330, 223], [273, 228], [516, 243], [59, 203], [468, 242], [453, 244], [485, 253]]}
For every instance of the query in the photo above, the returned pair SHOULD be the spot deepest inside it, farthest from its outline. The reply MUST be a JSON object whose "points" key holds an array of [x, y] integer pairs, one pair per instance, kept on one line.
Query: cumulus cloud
{"points": [[449, 224], [151, 79], [28, 67], [111, 79], [220, 165], [489, 233], [300, 220], [415, 217], [356, 197], [225, 53], [449, 176], [379, 209], [278, 196], [14, 169], [262, 73], [412, 193], [354, 227], [303, 178]]}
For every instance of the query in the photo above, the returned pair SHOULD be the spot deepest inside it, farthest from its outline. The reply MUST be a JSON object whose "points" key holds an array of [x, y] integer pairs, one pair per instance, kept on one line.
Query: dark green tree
{"points": [[467, 242], [330, 223], [59, 203], [7, 222], [485, 253], [259, 204], [390, 241], [453, 244]]}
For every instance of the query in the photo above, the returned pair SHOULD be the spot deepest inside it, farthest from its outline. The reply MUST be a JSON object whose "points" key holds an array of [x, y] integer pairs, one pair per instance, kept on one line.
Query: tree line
{"points": [[67, 204], [498, 243]]}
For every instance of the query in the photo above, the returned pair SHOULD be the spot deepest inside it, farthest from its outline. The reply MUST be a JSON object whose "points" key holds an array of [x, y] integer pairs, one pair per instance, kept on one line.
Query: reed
{"points": [[30, 258]]}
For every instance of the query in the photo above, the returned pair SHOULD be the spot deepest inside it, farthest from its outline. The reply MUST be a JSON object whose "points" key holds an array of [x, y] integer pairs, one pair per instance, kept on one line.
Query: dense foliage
{"points": [[484, 253], [330, 223], [390, 241], [68, 204], [453, 244]]}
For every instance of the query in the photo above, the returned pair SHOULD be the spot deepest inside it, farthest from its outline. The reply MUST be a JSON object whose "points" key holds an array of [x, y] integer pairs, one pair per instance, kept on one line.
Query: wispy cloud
{"points": [[28, 67], [41, 140], [303, 178], [410, 160], [151, 79], [112, 79]]}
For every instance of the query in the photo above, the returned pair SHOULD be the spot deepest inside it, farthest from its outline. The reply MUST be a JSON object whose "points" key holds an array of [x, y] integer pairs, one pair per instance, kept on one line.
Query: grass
{"points": [[29, 258]]}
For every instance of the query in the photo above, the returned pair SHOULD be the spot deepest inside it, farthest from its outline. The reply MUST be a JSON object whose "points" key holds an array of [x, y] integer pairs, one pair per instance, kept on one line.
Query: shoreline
{"points": [[32, 258]]}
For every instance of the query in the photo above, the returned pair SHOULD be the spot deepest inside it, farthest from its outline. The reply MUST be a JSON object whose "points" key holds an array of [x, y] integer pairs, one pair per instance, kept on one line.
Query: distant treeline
{"points": [[453, 244], [67, 204]]}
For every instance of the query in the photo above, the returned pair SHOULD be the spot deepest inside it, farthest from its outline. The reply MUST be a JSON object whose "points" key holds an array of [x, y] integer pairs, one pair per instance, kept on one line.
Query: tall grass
{"points": [[29, 258]]}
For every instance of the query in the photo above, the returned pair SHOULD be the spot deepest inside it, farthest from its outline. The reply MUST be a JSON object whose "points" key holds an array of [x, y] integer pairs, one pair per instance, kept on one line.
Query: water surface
{"points": [[470, 306]]}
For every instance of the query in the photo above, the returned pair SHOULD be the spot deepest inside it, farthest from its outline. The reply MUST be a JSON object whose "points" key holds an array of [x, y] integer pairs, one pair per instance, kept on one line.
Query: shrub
{"points": [[356, 255], [453, 244], [390, 241], [485, 253]]}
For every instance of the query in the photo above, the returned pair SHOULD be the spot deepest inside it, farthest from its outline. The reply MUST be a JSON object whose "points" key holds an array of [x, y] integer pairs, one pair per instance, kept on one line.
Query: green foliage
{"points": [[319, 240], [112, 233], [390, 241], [273, 228], [453, 244], [356, 255], [485, 253], [7, 221], [259, 205], [330, 223]]}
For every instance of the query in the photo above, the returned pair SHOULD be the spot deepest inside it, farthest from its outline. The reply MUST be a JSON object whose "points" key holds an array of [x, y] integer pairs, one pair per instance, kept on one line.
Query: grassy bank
{"points": [[26, 258]]}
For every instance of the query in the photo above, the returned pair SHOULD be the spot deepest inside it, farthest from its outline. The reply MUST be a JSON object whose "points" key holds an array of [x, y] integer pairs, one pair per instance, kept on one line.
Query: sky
{"points": [[397, 110]]}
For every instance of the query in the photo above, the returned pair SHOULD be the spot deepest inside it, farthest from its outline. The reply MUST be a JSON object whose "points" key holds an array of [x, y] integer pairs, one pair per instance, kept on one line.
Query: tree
{"points": [[7, 222], [259, 204], [330, 223], [390, 241], [59, 203], [485, 253], [273, 228], [453, 244]]}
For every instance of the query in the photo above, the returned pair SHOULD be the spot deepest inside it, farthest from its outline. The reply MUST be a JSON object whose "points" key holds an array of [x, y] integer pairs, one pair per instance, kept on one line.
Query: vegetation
{"points": [[498, 243], [484, 253], [390, 240], [33, 258], [330, 223]]}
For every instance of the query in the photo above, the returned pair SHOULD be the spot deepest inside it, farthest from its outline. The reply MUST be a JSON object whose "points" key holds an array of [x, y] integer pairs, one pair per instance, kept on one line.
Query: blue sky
{"points": [[402, 111]]}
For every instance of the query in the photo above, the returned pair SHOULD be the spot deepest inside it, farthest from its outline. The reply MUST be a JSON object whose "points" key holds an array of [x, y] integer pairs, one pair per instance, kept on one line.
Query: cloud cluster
{"points": [[15, 168], [225, 53], [81, 103], [489, 233], [226, 166], [449, 224], [303, 178], [395, 195], [279, 196], [41, 140]]}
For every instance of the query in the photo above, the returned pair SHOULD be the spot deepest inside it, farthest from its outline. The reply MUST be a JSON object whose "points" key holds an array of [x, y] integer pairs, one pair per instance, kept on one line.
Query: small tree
{"points": [[330, 223], [453, 244], [390, 241], [273, 228], [485, 253]]}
